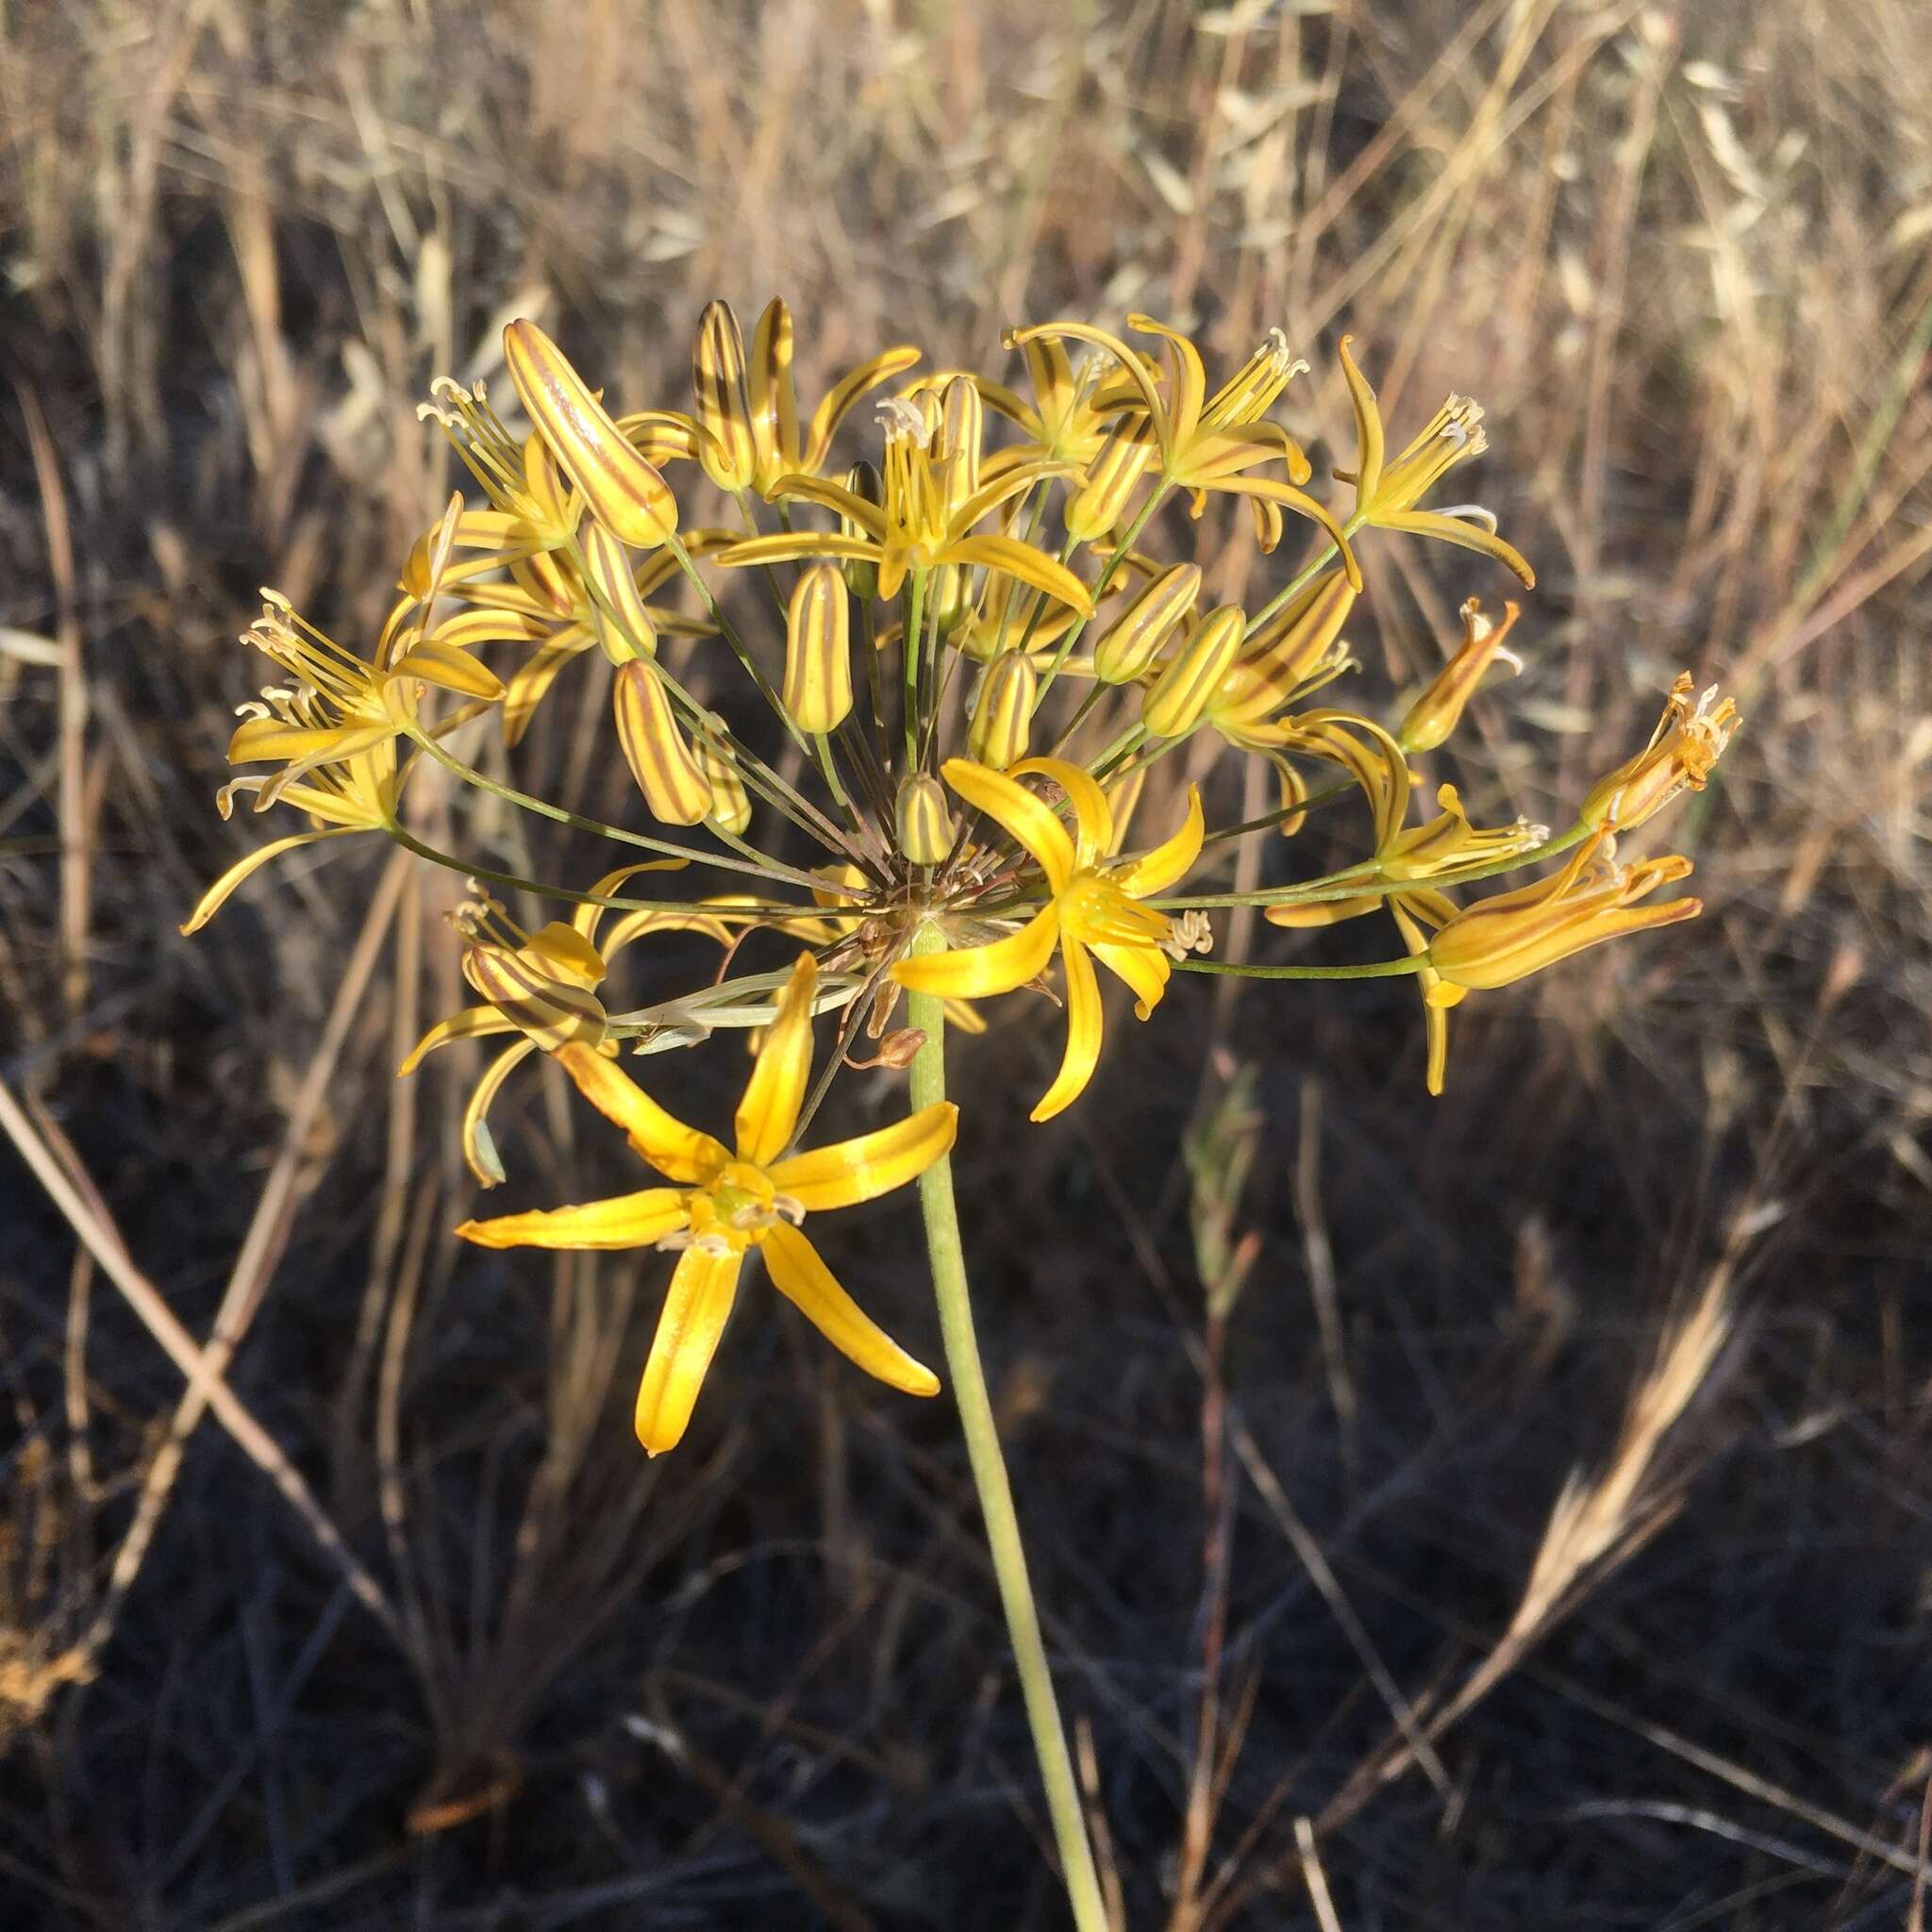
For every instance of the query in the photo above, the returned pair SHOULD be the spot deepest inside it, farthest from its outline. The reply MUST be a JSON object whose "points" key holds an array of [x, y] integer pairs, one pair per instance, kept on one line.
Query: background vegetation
{"points": [[372, 1615]]}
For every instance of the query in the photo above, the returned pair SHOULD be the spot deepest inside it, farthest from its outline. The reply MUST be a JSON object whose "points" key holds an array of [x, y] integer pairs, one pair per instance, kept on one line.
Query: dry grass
{"points": [[1348, 1648]]}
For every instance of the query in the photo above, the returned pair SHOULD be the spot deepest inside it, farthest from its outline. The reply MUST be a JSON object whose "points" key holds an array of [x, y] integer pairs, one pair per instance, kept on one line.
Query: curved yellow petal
{"points": [[1145, 969], [788, 547], [1190, 377], [1171, 860], [678, 1151], [800, 1275], [1289, 497], [624, 1220], [1131, 366], [473, 1023], [839, 400], [979, 972], [479, 1148], [1461, 532], [869, 1165], [1368, 427], [588, 917], [1013, 807], [776, 1091], [1093, 814], [1022, 561], [1083, 1033], [835, 497], [703, 1287], [217, 894]]}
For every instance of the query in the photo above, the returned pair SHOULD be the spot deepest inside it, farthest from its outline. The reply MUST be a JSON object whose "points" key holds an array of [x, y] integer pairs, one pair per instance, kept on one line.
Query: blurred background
{"points": [[1535, 1534]]}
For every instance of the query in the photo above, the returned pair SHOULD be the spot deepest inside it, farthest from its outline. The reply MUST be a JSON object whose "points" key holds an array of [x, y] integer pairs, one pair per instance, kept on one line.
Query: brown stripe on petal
{"points": [[654, 748], [624, 491]]}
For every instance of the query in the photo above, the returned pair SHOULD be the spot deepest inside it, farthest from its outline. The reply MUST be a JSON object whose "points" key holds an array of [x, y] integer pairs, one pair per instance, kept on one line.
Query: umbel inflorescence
{"points": [[961, 658]]}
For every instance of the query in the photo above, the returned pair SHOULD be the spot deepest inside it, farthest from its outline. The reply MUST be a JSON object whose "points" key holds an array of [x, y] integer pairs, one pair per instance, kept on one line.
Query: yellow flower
{"points": [[623, 490], [332, 729], [752, 408], [542, 986], [728, 1201], [1689, 739], [1073, 412], [1436, 713], [1211, 442], [1386, 494], [927, 517], [1092, 909], [1592, 899]]}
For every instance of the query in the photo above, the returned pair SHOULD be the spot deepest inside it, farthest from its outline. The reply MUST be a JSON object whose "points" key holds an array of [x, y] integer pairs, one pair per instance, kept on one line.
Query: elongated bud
{"points": [[624, 491], [623, 625], [717, 372], [730, 802], [818, 650], [547, 1008], [1002, 723], [654, 748], [1111, 480], [1301, 643], [962, 427], [1133, 641], [1683, 750], [1438, 710], [925, 821], [1180, 694], [862, 578]]}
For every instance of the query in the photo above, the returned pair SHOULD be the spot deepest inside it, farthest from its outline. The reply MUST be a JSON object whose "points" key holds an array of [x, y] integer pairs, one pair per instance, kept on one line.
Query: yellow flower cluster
{"points": [[964, 652]]}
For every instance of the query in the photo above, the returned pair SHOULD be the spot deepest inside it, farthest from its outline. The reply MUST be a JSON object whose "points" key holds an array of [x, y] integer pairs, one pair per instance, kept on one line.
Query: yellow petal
{"points": [[1022, 561], [1368, 427], [217, 894], [1132, 367], [870, 1165], [678, 1151], [624, 1220], [802, 1277], [702, 1287], [480, 1149], [1289, 497], [473, 1023], [776, 1091], [980, 971], [1092, 815], [1464, 534], [438, 661], [1190, 378], [1170, 861], [1083, 1033], [1018, 811], [788, 547], [847, 390], [623, 490], [1145, 969]]}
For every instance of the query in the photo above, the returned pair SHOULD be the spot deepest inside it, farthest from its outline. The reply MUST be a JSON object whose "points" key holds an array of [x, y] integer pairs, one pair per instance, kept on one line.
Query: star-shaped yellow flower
{"points": [[730, 1200], [1092, 910]]}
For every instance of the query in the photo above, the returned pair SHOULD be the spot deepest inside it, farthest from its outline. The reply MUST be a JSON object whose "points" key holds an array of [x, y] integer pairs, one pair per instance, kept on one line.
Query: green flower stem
{"points": [[516, 882], [927, 1012], [1378, 969], [1100, 584], [1304, 577], [909, 651]]}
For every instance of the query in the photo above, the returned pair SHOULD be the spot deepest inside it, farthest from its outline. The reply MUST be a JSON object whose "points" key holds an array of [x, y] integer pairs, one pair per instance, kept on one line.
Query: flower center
{"points": [[1093, 909], [734, 1209]]}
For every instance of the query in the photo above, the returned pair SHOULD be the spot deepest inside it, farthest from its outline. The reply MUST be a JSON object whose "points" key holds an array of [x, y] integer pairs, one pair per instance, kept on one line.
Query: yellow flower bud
{"points": [[623, 625], [1438, 710], [529, 987], [730, 801], [1111, 480], [1689, 740], [925, 821], [726, 449], [1002, 724], [674, 786], [624, 491], [818, 650], [1592, 899], [1179, 695], [1133, 641], [861, 576], [962, 427], [1300, 645]]}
